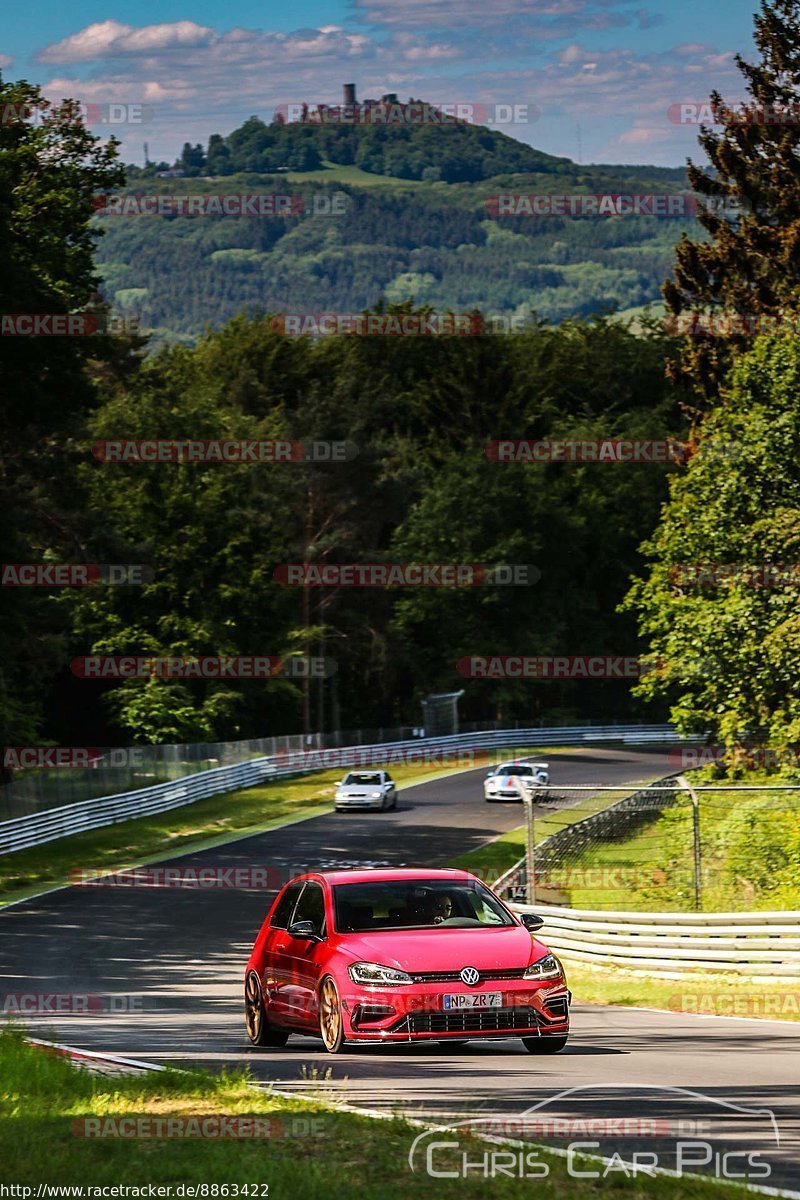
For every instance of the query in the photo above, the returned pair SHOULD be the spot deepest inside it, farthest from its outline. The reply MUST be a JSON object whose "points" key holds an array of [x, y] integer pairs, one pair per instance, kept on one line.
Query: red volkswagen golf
{"points": [[399, 955]]}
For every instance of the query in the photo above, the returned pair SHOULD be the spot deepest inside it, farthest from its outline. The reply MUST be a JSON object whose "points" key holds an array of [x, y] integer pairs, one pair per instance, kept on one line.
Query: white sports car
{"points": [[502, 781], [366, 789]]}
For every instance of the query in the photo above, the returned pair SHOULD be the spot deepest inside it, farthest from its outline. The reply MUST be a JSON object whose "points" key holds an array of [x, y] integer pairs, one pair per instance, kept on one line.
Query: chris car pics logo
{"points": [[607, 1133]]}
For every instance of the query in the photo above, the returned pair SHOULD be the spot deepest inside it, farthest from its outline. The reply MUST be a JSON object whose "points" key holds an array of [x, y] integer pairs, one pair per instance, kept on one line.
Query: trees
{"points": [[725, 648], [749, 265], [49, 173]]}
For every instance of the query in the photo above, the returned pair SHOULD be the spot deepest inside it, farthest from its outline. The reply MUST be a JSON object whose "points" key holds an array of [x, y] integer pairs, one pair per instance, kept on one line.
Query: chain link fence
{"points": [[670, 846]]}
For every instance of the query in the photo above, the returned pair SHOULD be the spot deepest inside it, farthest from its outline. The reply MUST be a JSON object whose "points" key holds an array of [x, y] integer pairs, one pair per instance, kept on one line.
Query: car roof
{"points": [[522, 762], [387, 874]]}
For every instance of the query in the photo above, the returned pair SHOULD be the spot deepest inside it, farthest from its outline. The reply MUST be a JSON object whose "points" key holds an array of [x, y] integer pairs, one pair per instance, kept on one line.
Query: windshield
{"points": [[515, 769], [360, 778], [414, 904]]}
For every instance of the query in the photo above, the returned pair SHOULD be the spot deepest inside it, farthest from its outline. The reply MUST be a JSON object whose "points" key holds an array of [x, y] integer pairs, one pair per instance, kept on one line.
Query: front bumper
{"points": [[416, 1012], [358, 802]]}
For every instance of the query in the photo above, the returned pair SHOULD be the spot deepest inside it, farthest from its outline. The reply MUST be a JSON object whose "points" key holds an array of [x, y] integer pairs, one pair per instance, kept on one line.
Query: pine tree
{"points": [[750, 268]]}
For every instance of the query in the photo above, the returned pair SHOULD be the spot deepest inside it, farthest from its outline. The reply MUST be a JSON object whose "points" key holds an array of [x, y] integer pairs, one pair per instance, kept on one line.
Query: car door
{"points": [[306, 957], [277, 973]]}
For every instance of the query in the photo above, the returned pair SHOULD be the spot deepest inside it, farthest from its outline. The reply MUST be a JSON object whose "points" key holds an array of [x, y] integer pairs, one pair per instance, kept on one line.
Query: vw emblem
{"points": [[470, 976]]}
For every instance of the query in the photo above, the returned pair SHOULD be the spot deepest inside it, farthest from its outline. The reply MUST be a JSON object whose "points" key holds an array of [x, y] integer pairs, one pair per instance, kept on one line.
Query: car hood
{"points": [[442, 949], [361, 789]]}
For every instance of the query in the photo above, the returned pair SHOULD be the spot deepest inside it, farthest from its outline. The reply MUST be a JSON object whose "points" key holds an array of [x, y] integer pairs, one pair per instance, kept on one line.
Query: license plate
{"points": [[473, 1000]]}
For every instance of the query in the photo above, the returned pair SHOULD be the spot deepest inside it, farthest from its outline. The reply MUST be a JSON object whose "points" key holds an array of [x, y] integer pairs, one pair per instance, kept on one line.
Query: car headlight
{"points": [[546, 968], [365, 972], [375, 795]]}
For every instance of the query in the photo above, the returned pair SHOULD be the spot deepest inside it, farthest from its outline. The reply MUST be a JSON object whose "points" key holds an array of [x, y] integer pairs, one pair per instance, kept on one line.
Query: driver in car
{"points": [[440, 907]]}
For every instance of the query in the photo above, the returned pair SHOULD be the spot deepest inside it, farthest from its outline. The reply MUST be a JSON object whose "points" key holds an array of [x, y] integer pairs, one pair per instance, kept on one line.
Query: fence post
{"points": [[530, 843], [698, 867]]}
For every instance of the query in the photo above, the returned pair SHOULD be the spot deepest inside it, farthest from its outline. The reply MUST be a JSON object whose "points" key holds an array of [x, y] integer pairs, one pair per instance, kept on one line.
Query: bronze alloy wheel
{"points": [[259, 1030], [331, 1024]]}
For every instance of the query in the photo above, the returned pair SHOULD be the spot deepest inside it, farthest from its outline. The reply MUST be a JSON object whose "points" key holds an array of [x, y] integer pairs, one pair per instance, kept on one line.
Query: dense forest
{"points": [[419, 413]]}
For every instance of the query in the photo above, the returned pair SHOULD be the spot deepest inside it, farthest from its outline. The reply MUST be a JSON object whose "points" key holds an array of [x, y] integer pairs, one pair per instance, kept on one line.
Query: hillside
{"points": [[393, 236]]}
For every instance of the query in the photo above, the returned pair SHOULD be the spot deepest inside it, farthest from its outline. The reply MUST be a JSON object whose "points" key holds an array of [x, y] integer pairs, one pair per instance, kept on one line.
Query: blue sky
{"points": [[596, 74]]}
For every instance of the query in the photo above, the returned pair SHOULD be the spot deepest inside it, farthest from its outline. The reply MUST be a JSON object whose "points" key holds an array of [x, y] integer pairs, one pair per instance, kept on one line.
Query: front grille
{"points": [[455, 976], [469, 1020]]}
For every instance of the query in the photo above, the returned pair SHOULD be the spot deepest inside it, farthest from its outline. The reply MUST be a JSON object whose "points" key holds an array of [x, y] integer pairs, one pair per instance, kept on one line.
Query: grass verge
{"points": [[710, 995], [316, 1153]]}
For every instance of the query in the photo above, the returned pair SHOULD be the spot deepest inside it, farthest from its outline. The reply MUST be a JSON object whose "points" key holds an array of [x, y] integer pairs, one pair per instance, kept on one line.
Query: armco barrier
{"points": [[757, 944], [36, 828]]}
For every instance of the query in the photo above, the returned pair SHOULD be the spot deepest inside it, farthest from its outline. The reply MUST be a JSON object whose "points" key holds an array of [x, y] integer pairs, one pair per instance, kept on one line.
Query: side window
{"points": [[312, 908], [280, 918]]}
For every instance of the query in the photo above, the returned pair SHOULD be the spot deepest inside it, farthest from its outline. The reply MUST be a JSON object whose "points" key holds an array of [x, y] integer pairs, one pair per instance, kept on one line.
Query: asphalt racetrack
{"points": [[166, 965]]}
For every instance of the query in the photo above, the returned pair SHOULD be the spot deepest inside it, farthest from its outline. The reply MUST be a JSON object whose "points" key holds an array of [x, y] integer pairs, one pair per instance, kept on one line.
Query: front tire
{"points": [[331, 1022], [259, 1030], [547, 1044]]}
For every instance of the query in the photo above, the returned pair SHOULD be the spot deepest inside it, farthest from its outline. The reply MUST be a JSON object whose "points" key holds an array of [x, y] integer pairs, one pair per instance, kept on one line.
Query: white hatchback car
{"points": [[501, 782], [366, 789]]}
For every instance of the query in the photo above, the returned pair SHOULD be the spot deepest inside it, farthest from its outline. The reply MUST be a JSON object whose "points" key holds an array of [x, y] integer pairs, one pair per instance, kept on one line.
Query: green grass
{"points": [[719, 995], [317, 1153], [340, 173], [202, 825]]}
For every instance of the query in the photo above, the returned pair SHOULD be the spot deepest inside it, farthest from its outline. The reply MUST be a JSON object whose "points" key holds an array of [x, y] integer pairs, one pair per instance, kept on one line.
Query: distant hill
{"points": [[403, 145], [413, 218]]}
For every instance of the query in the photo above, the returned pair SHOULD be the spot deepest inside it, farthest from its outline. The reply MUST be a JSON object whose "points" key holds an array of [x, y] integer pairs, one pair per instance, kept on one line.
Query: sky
{"points": [[594, 80]]}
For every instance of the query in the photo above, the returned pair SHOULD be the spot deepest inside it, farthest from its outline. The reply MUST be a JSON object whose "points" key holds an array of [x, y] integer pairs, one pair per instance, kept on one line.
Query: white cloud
{"points": [[110, 39], [201, 81]]}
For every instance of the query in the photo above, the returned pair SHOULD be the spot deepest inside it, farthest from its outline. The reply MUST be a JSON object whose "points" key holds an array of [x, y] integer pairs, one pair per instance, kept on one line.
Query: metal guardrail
{"points": [[36, 828], [759, 944]]}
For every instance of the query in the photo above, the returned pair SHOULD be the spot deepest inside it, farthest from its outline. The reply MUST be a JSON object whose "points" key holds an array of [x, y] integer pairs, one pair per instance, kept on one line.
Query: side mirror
{"points": [[531, 922], [338, 783], [303, 929]]}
